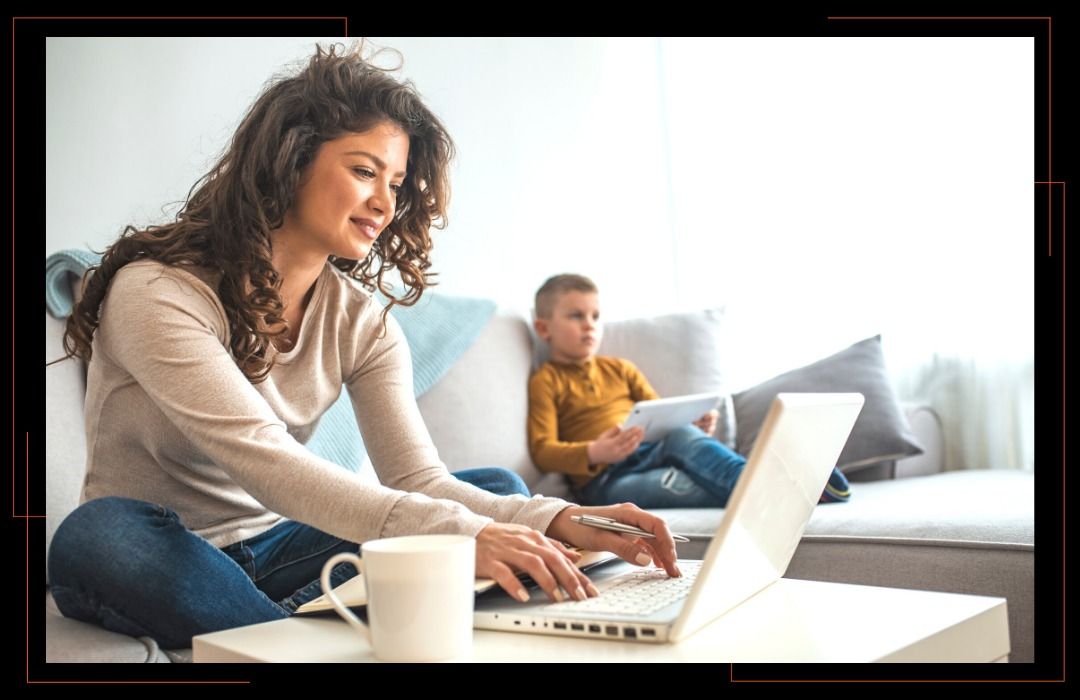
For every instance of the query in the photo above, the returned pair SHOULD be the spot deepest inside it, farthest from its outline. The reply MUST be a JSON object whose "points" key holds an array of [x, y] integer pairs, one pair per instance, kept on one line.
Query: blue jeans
{"points": [[132, 567], [687, 469]]}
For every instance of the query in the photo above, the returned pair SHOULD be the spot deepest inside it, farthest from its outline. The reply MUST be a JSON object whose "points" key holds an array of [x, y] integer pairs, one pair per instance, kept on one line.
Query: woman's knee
{"points": [[101, 532]]}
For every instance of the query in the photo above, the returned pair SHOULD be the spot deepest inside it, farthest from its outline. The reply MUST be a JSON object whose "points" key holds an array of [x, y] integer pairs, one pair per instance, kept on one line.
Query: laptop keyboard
{"points": [[640, 592]]}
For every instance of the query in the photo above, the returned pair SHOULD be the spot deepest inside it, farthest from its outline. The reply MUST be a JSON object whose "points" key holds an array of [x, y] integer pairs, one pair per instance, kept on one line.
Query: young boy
{"points": [[577, 402]]}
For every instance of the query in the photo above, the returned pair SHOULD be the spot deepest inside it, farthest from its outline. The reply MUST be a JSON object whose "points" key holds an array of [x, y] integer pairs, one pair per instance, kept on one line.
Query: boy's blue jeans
{"points": [[687, 469], [132, 567]]}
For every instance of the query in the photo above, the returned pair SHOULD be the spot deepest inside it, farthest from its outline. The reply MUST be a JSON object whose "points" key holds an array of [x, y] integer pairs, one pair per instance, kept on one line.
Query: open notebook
{"points": [[354, 595]]}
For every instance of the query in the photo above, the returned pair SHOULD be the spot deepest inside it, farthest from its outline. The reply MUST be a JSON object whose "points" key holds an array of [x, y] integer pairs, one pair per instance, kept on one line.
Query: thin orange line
{"points": [[905, 680], [177, 17], [959, 18], [13, 265], [26, 533], [1050, 206]]}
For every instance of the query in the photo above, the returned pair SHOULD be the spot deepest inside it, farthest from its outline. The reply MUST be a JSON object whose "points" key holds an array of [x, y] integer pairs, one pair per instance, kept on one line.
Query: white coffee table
{"points": [[791, 621]]}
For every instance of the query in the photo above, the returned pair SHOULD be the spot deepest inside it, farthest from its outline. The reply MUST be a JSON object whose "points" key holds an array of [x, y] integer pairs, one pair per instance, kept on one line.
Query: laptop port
{"points": [[577, 626], [648, 632], [595, 629], [559, 625], [612, 631], [630, 632]]}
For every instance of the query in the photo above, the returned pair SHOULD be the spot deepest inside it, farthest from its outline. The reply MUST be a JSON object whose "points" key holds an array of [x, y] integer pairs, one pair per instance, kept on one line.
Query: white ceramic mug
{"points": [[419, 595]]}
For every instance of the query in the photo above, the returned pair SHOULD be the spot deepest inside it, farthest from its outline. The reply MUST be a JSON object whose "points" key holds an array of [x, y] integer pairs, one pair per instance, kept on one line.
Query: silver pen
{"points": [[603, 523]]}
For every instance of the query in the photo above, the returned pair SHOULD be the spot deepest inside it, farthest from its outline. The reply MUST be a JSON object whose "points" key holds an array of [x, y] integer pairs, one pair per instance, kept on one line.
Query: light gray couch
{"points": [[908, 525]]}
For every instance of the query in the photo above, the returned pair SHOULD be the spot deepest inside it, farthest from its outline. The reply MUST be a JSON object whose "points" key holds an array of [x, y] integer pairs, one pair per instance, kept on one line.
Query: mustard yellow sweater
{"points": [[571, 404]]}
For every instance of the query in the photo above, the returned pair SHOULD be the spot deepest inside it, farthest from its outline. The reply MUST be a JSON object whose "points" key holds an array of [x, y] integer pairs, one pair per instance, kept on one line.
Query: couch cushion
{"points": [[679, 354], [881, 432], [68, 640], [987, 506], [65, 434], [976, 506], [438, 329], [476, 414]]}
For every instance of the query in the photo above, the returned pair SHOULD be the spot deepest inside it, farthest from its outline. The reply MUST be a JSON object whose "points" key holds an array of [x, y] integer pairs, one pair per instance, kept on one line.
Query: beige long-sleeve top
{"points": [[171, 419]]}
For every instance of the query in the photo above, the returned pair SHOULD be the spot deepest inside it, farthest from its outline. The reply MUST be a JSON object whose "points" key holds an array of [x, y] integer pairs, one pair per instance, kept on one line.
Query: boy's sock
{"points": [[837, 490]]}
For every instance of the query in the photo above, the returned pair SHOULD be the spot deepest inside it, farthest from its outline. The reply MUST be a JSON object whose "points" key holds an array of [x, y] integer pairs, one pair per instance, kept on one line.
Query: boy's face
{"points": [[573, 331]]}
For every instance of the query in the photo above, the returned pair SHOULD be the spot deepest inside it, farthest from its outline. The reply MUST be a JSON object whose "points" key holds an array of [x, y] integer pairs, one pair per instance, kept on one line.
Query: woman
{"points": [[216, 342]]}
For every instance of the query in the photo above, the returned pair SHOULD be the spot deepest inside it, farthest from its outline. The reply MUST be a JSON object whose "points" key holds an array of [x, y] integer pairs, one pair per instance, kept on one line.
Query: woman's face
{"points": [[347, 195]]}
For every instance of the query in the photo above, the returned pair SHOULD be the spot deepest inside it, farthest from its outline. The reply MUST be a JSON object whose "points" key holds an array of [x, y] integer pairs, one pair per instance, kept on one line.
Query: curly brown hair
{"points": [[226, 221]]}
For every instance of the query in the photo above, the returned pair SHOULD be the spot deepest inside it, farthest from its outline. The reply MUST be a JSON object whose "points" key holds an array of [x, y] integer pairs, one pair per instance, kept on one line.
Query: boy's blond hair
{"points": [[554, 287]]}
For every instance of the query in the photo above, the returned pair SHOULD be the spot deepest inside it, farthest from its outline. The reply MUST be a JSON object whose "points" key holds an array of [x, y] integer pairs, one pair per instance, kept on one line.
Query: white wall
{"points": [[555, 138], [824, 189], [831, 189], [132, 123]]}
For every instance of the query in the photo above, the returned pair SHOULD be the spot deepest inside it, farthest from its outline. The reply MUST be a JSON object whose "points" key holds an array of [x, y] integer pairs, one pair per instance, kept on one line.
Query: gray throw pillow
{"points": [[881, 432]]}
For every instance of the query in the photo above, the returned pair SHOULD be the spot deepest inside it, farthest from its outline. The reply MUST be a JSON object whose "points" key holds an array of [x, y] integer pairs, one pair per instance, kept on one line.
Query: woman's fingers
{"points": [[573, 555], [642, 551], [662, 547], [508, 581], [503, 549], [565, 574], [547, 566], [582, 579], [535, 566]]}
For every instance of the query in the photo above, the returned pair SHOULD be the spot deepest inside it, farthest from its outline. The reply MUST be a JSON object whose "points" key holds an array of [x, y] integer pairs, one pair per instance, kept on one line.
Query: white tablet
{"points": [[660, 416]]}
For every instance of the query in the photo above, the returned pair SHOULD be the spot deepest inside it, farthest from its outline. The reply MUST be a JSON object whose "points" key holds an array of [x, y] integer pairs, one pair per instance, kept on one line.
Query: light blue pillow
{"points": [[439, 329]]}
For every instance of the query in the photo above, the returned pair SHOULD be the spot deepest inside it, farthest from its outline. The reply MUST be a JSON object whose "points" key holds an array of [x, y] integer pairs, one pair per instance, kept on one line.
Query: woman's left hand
{"points": [[636, 550]]}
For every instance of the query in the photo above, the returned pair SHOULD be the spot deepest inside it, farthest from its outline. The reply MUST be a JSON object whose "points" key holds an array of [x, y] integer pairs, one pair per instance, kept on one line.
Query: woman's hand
{"points": [[503, 549], [707, 422], [614, 445], [636, 550]]}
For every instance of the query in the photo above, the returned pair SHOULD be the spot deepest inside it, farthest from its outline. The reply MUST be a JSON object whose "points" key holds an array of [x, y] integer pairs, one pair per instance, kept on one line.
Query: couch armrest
{"points": [[926, 424]]}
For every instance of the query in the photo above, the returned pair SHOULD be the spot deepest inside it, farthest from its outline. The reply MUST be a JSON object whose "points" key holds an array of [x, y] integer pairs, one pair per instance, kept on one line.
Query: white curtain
{"points": [[830, 189]]}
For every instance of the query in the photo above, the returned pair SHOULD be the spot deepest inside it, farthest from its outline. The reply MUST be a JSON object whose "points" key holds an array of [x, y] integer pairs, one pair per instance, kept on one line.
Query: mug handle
{"points": [[340, 607]]}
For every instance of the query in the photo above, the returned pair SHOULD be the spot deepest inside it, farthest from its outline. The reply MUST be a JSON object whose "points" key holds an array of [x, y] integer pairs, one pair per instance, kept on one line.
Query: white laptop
{"points": [[799, 443], [660, 416]]}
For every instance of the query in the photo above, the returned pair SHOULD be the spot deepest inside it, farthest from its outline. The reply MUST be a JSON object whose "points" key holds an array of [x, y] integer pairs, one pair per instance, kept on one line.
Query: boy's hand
{"points": [[615, 445], [707, 422]]}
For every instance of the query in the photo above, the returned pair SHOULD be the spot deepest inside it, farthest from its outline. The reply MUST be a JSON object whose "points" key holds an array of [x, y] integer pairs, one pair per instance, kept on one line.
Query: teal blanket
{"points": [[439, 329]]}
